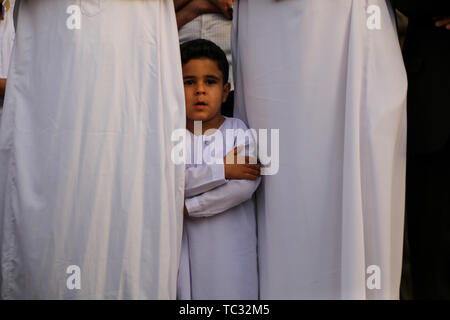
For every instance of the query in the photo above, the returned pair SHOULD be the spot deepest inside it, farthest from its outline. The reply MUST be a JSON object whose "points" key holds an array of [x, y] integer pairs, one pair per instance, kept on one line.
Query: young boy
{"points": [[218, 255]]}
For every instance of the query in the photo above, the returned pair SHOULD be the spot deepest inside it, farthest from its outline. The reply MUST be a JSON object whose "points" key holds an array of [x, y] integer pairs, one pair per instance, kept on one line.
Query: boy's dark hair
{"points": [[201, 48]]}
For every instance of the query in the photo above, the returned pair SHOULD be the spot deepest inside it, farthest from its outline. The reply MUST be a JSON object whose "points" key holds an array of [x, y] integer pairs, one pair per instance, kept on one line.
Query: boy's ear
{"points": [[226, 91]]}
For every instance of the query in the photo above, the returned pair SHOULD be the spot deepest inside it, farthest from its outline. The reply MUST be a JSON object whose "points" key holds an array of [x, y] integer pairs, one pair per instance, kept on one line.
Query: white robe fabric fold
{"points": [[336, 90], [86, 177]]}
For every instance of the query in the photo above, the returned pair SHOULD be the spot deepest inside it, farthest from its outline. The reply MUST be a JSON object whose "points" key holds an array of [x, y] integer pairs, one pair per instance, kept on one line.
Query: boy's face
{"points": [[204, 89]]}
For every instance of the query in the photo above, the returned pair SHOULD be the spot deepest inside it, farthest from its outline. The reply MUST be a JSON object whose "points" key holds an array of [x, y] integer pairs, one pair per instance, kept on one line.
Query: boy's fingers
{"points": [[254, 167], [246, 160], [238, 149], [250, 177], [231, 156], [253, 160], [241, 160], [253, 172]]}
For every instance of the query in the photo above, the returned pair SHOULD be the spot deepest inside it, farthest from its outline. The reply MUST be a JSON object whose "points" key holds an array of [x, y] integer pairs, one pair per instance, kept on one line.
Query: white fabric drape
{"points": [[86, 177], [336, 90]]}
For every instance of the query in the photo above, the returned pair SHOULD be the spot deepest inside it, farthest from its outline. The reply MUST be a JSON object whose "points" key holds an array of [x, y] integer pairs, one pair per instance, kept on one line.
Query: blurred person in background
{"points": [[426, 55]]}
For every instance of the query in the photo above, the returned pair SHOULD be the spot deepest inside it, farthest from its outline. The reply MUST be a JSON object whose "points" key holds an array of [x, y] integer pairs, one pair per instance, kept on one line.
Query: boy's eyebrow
{"points": [[212, 76]]}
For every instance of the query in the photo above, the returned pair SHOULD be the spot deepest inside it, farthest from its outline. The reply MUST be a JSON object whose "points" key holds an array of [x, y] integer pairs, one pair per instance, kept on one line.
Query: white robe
{"points": [[218, 257], [86, 177], [336, 90]]}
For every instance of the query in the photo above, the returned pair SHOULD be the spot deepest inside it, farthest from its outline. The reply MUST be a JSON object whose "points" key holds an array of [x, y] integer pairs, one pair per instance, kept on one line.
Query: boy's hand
{"points": [[239, 167]]}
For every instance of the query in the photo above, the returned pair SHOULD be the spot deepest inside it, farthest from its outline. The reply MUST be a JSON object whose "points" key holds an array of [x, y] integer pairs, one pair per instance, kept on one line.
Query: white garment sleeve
{"points": [[203, 178], [222, 198]]}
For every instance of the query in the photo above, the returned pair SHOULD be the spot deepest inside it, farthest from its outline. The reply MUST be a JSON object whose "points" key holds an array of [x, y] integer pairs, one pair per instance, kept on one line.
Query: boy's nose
{"points": [[200, 89]]}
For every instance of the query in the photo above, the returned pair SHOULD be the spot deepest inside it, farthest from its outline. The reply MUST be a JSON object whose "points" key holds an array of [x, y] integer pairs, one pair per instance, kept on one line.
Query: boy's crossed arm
{"points": [[206, 177], [242, 179], [240, 167], [221, 199]]}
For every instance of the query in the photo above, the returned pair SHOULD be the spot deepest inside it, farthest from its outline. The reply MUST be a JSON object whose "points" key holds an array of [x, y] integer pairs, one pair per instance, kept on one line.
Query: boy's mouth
{"points": [[201, 104]]}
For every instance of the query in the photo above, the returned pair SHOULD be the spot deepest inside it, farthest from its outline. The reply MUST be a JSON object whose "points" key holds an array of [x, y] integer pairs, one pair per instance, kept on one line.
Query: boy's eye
{"points": [[188, 82], [210, 81]]}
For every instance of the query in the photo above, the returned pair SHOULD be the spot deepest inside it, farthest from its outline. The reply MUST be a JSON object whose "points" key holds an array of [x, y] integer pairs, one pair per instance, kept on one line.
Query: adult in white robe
{"points": [[330, 222], [90, 202]]}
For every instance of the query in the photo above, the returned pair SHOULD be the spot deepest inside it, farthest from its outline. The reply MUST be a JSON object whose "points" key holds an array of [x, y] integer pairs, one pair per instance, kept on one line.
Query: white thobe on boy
{"points": [[218, 256]]}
